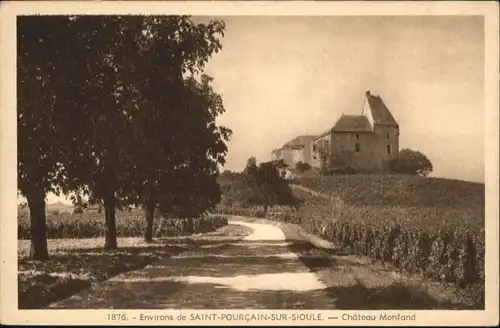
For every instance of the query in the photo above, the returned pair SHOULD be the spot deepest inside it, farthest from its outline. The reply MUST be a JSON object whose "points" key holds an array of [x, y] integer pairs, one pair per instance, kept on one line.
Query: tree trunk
{"points": [[110, 219], [38, 225], [190, 225], [149, 211]]}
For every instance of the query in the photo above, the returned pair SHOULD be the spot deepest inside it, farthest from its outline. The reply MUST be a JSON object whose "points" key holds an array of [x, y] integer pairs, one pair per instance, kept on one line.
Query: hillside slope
{"points": [[398, 190]]}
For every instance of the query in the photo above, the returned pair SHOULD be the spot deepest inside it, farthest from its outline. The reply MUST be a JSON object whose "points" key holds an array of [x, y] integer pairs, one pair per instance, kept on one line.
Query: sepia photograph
{"points": [[233, 161]]}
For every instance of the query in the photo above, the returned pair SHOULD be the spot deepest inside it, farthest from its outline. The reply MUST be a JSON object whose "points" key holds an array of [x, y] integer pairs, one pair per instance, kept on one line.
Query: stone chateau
{"points": [[367, 141]]}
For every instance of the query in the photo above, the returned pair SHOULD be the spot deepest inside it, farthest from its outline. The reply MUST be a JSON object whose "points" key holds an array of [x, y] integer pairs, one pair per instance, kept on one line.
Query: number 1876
{"points": [[116, 316]]}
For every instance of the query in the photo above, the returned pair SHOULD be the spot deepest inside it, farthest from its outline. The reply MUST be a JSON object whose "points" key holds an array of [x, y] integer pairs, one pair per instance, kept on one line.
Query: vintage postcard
{"points": [[249, 163]]}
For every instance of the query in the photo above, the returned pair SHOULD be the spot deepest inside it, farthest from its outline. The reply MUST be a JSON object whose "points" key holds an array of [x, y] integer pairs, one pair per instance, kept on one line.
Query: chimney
{"points": [[368, 93]]}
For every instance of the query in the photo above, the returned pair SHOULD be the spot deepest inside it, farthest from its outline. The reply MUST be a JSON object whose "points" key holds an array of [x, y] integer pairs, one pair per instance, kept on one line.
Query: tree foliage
{"points": [[302, 167], [412, 162], [234, 188], [145, 113], [268, 185]]}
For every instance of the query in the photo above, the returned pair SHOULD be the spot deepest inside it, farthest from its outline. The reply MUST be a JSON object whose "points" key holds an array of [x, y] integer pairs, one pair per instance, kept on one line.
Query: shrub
{"points": [[302, 167], [411, 162], [253, 211], [269, 184], [179, 227], [78, 209]]}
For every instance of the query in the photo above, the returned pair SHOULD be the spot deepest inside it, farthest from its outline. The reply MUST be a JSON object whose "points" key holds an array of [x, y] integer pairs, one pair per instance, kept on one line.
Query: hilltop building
{"points": [[297, 150], [367, 142]]}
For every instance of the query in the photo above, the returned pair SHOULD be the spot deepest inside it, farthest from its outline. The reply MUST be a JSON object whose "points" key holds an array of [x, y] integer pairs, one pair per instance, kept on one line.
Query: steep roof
{"points": [[352, 123], [299, 141], [380, 112], [323, 134]]}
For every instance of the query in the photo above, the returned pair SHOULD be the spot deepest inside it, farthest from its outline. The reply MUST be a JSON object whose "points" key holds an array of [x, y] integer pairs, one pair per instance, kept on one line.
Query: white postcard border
{"points": [[9, 313]]}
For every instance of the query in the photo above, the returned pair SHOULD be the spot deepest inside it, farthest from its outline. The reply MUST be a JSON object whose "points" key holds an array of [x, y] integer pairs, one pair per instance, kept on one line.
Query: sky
{"points": [[282, 76]]}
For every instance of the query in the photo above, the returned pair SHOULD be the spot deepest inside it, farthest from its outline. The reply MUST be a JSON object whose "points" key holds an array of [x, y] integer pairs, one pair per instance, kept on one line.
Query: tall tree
{"points": [[109, 87], [141, 103], [203, 149], [180, 109], [100, 159], [45, 130]]}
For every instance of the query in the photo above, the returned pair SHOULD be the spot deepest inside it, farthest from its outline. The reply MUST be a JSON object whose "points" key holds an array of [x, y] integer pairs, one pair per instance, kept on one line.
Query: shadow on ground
{"points": [[180, 295], [68, 272], [232, 276], [223, 274], [392, 297], [215, 275]]}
